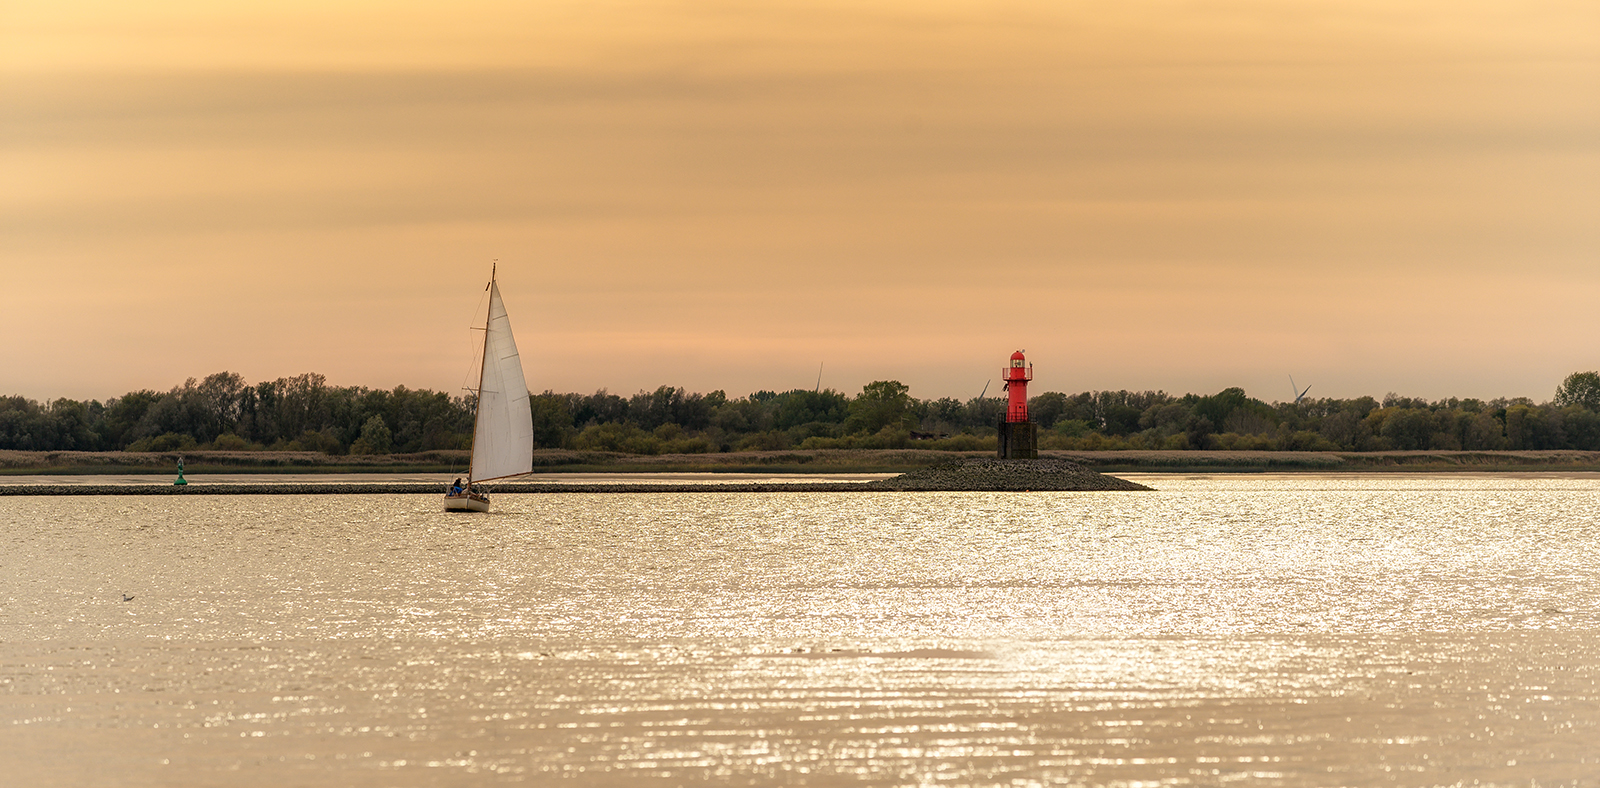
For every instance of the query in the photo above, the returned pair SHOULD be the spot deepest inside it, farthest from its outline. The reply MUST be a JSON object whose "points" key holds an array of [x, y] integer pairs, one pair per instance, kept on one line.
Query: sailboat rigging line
{"points": [[472, 349], [488, 315]]}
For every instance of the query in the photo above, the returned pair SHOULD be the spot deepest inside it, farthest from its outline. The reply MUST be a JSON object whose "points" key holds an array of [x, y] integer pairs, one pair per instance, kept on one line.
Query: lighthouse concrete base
{"points": [[1019, 440]]}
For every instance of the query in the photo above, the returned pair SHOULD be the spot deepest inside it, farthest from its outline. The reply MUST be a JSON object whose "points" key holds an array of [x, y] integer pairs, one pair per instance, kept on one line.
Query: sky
{"points": [[1371, 197]]}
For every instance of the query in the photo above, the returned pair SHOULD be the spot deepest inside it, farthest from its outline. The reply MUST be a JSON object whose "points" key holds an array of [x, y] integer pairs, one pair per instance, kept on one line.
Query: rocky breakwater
{"points": [[964, 475], [984, 475]]}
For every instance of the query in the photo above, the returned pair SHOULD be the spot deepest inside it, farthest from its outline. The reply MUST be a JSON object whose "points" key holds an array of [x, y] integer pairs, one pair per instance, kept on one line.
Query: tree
{"points": [[552, 419], [73, 425], [653, 409], [1581, 389], [882, 403], [1408, 429], [1047, 409], [375, 437], [1530, 427], [1582, 428], [23, 425], [799, 406], [123, 415], [984, 412], [301, 404], [218, 400], [601, 407], [1222, 404]]}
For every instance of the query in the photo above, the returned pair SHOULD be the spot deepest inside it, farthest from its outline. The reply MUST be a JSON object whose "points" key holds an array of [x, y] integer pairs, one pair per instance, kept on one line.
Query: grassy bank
{"points": [[1335, 461], [32, 463], [798, 461]]}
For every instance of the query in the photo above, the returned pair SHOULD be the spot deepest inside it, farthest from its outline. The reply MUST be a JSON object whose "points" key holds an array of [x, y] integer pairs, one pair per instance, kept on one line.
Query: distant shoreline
{"points": [[559, 461]]}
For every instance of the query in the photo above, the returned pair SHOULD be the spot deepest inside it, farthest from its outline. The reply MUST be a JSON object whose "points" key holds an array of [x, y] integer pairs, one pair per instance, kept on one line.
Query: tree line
{"points": [[303, 413]]}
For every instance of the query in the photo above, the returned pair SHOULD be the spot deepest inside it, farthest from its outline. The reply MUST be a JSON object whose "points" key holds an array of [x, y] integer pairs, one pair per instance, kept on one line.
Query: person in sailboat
{"points": [[455, 487]]}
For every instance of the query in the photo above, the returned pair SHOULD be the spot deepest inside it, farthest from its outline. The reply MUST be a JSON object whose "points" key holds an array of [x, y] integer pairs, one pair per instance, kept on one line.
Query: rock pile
{"points": [[983, 475]]}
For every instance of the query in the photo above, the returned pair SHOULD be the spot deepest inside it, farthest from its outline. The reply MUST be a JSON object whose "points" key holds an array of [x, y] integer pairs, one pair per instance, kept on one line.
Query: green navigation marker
{"points": [[180, 480]]}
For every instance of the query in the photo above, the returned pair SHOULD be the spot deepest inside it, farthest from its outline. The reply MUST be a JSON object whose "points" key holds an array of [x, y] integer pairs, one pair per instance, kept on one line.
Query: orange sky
{"points": [[1370, 196]]}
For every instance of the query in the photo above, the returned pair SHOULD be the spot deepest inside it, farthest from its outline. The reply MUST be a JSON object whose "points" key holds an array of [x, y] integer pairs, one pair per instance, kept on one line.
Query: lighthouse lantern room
{"points": [[1019, 438]]}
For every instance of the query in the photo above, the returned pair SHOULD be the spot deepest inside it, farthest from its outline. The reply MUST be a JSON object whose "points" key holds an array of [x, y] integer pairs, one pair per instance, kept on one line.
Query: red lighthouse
{"points": [[1016, 377], [1019, 438]]}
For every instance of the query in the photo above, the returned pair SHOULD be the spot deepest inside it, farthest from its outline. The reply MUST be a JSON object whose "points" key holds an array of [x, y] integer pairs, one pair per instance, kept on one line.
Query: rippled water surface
{"points": [[1290, 630]]}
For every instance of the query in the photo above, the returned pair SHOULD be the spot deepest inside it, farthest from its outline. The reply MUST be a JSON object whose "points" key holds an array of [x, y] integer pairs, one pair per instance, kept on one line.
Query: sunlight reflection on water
{"points": [[1300, 630]]}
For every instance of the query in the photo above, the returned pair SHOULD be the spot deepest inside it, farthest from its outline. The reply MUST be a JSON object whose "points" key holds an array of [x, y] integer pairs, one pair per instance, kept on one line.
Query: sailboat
{"points": [[502, 427]]}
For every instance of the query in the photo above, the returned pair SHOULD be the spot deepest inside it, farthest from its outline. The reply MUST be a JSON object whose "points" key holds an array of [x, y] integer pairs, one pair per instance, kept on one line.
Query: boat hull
{"points": [[466, 503]]}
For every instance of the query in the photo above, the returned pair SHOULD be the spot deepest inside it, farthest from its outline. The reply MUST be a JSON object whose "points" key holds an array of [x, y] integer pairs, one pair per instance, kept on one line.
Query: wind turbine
{"points": [[1299, 393]]}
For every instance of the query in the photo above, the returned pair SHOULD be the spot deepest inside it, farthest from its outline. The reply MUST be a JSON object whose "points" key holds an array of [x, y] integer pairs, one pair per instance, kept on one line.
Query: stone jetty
{"points": [[393, 488], [997, 475], [972, 474]]}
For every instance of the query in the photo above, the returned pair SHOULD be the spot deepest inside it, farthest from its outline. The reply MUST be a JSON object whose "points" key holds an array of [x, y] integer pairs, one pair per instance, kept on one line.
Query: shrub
{"points": [[231, 442], [169, 441], [963, 442], [618, 437], [698, 444], [771, 440]]}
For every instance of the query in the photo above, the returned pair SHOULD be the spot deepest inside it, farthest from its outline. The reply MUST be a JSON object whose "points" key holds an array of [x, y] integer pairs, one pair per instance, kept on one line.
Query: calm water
{"points": [[1287, 630]]}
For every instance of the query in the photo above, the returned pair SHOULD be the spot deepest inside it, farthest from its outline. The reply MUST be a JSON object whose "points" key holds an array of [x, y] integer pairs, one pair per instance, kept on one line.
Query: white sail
{"points": [[502, 439]]}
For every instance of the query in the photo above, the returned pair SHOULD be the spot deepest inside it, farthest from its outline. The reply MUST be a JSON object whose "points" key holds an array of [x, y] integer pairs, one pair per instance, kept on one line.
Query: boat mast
{"points": [[477, 411]]}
